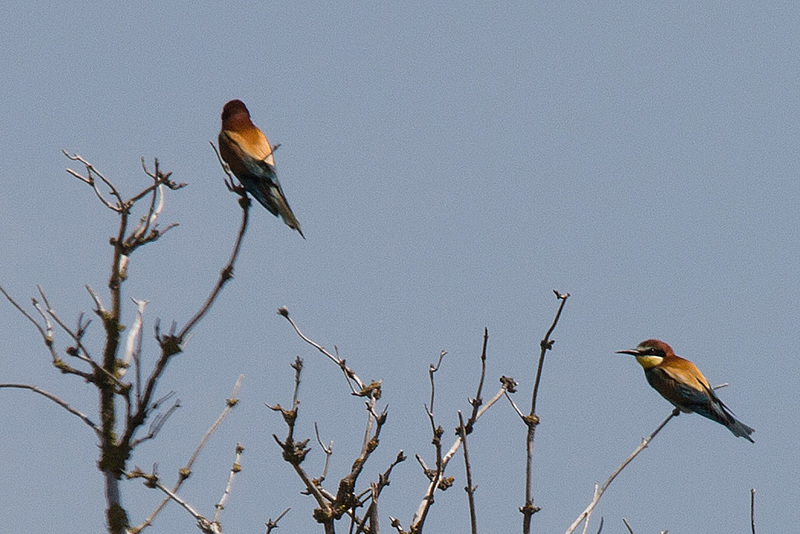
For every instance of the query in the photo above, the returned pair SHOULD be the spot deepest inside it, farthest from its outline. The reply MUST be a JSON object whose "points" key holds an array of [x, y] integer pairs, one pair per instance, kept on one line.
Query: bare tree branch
{"points": [[628, 525], [186, 470], [375, 491], [422, 510], [532, 420], [152, 481], [47, 334], [352, 378], [58, 401], [225, 275], [599, 493], [589, 515], [237, 466], [295, 452], [470, 489], [89, 179], [271, 524], [330, 507], [477, 400], [642, 446]]}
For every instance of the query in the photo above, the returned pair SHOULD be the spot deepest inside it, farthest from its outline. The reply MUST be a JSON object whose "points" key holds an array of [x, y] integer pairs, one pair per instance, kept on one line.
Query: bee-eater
{"points": [[681, 383], [248, 153]]}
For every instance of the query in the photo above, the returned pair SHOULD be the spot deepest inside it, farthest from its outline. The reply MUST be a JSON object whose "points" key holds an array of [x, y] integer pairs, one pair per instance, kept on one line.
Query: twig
{"points": [[600, 528], [152, 481], [237, 466], [89, 179], [327, 450], [352, 378], [627, 525], [58, 401], [99, 309], [422, 510], [171, 343], [186, 471], [230, 404], [77, 337], [295, 452], [48, 339], [532, 420], [753, 510], [514, 405], [589, 515], [271, 524], [599, 493], [478, 400], [331, 508], [470, 489], [46, 332], [372, 513], [642, 446], [383, 481], [432, 369], [225, 275], [157, 423]]}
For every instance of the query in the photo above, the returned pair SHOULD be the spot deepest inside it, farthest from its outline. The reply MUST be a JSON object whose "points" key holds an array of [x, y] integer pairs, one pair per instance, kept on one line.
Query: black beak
{"points": [[632, 352]]}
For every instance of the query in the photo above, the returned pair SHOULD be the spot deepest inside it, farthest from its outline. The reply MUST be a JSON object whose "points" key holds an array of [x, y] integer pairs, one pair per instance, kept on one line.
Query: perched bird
{"points": [[249, 155], [681, 383]]}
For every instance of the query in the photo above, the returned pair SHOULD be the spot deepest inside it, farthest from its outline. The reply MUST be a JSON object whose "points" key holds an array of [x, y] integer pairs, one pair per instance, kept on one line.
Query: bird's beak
{"points": [[632, 352]]}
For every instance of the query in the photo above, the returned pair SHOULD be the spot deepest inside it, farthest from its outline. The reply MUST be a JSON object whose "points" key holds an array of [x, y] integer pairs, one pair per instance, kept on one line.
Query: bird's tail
{"points": [[740, 429], [717, 411], [270, 195], [288, 217]]}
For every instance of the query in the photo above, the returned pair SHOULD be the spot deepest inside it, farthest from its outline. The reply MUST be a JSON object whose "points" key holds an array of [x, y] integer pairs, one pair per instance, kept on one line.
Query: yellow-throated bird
{"points": [[681, 383]]}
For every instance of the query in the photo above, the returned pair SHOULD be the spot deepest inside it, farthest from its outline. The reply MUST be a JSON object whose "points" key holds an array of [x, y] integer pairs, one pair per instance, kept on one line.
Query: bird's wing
{"points": [[681, 389], [252, 144]]}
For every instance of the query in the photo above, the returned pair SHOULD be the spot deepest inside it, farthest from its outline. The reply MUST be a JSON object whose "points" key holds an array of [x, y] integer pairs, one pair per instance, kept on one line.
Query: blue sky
{"points": [[450, 167]]}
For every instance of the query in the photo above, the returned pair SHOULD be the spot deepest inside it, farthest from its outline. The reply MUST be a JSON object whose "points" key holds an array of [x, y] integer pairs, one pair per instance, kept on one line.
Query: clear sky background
{"points": [[450, 166]]}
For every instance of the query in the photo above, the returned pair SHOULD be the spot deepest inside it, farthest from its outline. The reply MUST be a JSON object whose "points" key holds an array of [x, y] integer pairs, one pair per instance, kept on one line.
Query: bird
{"points": [[680, 382], [246, 150]]}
